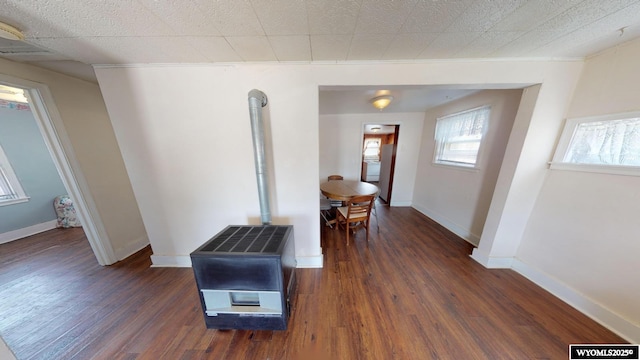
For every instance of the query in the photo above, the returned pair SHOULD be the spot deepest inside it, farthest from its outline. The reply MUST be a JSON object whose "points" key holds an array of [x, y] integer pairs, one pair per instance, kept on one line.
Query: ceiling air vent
{"points": [[21, 51]]}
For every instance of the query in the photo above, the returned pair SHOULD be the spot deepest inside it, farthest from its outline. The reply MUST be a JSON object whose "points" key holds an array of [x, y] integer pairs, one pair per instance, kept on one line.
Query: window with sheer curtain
{"points": [[458, 137], [604, 144], [11, 191], [371, 149]]}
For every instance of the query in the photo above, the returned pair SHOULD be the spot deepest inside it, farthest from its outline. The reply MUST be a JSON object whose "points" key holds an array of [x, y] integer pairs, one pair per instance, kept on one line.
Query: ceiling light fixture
{"points": [[10, 33], [381, 102], [375, 129]]}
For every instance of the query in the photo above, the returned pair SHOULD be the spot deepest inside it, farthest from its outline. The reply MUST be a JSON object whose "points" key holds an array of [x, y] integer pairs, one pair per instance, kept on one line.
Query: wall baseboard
{"points": [[580, 302], [28, 231], [170, 261], [597, 312], [309, 262], [491, 262], [131, 248], [465, 234]]}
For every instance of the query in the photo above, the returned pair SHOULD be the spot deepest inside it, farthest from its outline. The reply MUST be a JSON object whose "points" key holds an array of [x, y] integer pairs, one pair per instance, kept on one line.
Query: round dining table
{"points": [[346, 189]]}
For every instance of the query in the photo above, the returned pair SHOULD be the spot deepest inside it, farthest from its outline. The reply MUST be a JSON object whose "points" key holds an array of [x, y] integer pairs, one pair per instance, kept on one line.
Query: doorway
{"points": [[54, 135], [379, 147]]}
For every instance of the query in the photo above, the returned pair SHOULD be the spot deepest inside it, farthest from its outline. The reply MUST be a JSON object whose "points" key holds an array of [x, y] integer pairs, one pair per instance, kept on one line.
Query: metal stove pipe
{"points": [[257, 100]]}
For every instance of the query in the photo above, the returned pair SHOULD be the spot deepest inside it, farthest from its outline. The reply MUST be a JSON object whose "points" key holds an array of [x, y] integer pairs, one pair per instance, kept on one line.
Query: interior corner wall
{"points": [[459, 198], [341, 148], [88, 127], [583, 230]]}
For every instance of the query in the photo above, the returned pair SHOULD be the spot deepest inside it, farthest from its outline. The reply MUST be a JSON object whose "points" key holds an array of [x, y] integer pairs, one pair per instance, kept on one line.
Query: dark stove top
{"points": [[247, 239]]}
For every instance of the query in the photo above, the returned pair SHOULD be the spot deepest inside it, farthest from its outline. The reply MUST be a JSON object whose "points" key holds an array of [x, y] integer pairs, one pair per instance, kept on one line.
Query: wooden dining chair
{"points": [[374, 211], [325, 208], [336, 203], [356, 213]]}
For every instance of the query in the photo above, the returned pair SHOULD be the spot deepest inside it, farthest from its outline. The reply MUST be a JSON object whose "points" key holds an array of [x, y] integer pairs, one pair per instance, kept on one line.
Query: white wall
{"points": [[185, 137], [5, 352], [341, 148], [88, 127], [459, 198], [584, 230]]}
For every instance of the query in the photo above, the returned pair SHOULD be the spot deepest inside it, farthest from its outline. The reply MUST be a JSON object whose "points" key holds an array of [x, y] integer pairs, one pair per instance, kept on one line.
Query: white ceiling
{"points": [[68, 35]]}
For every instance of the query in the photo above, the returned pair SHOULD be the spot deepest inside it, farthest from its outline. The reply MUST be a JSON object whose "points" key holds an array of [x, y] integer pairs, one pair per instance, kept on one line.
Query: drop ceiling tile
{"points": [[214, 48], [608, 26], [532, 14], [332, 16], [252, 48], [482, 15], [282, 17], [408, 46], [144, 31], [185, 17], [434, 16], [523, 45], [487, 43], [446, 45], [76, 48], [232, 17], [118, 18], [123, 50], [585, 13], [369, 46], [383, 17], [96, 18], [30, 21], [330, 47], [291, 48], [596, 44]]}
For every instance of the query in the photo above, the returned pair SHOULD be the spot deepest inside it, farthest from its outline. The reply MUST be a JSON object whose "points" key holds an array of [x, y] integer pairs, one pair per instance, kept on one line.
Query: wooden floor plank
{"points": [[411, 292]]}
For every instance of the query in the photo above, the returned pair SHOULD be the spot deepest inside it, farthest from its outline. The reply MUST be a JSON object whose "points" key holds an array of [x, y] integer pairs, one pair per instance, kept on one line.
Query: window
{"points": [[459, 136], [372, 149], [10, 189], [609, 144]]}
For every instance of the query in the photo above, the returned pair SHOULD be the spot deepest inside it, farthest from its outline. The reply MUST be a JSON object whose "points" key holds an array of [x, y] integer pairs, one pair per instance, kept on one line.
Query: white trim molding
{"points": [[491, 262], [605, 317], [597, 312], [170, 261], [28, 231], [309, 262], [465, 234], [399, 203], [55, 136]]}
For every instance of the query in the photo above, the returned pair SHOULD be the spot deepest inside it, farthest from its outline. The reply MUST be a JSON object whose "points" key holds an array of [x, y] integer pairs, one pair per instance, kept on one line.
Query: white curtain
{"points": [[371, 149], [614, 142], [458, 136]]}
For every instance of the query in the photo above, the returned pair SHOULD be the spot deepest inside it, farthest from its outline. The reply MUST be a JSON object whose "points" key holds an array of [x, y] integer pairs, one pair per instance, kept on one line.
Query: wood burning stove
{"points": [[245, 277], [245, 274]]}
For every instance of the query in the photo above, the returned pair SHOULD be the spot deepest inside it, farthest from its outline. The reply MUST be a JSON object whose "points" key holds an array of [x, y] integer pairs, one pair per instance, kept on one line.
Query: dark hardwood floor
{"points": [[412, 292]]}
